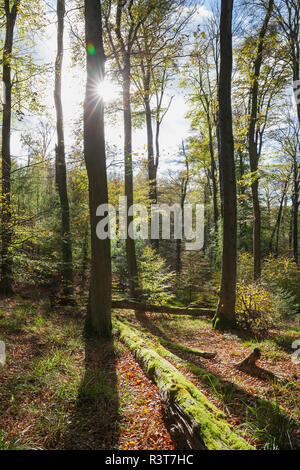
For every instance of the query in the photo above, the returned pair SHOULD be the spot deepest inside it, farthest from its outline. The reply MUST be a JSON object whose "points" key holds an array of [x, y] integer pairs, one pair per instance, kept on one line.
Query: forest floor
{"points": [[58, 391]]}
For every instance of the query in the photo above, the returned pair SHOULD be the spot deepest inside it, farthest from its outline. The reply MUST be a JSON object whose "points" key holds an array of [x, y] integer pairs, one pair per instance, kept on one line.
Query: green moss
{"points": [[222, 323], [179, 347], [212, 427]]}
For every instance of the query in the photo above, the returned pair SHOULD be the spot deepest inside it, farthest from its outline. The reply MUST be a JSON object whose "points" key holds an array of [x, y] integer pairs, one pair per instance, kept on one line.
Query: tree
{"points": [[159, 48], [11, 13], [289, 140], [288, 15], [122, 36], [225, 315], [183, 183], [60, 163], [253, 145], [99, 309], [201, 78]]}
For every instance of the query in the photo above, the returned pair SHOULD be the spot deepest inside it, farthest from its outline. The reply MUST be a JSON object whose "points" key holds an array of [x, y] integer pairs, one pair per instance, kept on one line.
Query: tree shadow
{"points": [[94, 424]]}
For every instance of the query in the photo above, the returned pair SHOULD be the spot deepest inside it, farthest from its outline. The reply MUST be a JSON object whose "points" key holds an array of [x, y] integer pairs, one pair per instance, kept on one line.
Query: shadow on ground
{"points": [[94, 423]]}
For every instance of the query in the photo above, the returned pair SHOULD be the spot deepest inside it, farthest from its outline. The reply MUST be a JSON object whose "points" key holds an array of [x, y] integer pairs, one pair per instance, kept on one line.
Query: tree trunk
{"points": [[150, 143], [276, 229], [256, 231], [60, 163], [295, 211], [6, 215], [152, 170], [253, 152], [184, 185], [214, 180], [99, 310], [130, 244], [225, 315]]}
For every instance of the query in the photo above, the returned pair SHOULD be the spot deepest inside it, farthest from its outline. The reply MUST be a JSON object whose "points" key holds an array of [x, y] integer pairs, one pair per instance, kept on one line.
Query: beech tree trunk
{"points": [[150, 142], [213, 171], [295, 199], [60, 163], [130, 244], [253, 151], [6, 215], [276, 229], [152, 168], [225, 315], [99, 310]]}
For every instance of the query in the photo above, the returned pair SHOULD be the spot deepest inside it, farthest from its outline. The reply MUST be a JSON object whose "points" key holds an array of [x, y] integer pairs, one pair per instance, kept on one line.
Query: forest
{"points": [[149, 219]]}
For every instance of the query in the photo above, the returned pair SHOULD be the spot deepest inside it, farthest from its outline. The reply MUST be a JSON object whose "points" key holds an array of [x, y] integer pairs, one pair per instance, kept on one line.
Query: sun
{"points": [[108, 91]]}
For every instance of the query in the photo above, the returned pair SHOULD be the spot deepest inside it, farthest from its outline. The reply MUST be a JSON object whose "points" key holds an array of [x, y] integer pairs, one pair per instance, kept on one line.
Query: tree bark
{"points": [[60, 163], [214, 179], [152, 169], [130, 243], [276, 228], [98, 320], [6, 215], [183, 192], [225, 315], [295, 199]]}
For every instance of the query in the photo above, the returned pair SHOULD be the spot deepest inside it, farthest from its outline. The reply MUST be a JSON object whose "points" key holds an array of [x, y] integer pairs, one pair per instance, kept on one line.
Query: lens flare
{"points": [[91, 49]]}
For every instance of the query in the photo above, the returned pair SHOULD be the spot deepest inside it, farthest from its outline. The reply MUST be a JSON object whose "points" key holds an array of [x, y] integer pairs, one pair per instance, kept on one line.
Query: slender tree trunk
{"points": [[99, 310], [152, 170], [253, 152], [217, 124], [206, 192], [130, 244], [296, 70], [84, 258], [6, 215], [225, 315], [60, 163], [256, 231], [150, 142], [295, 211], [214, 180], [276, 229], [184, 184]]}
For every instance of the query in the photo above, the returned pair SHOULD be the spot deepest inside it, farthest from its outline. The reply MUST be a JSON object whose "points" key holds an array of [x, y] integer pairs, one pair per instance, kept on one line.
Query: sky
{"points": [[174, 128]]}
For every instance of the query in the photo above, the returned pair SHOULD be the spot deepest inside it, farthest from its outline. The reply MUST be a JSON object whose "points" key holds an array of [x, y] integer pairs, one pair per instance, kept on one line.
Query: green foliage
{"points": [[156, 280], [256, 308], [266, 422], [283, 275], [288, 303]]}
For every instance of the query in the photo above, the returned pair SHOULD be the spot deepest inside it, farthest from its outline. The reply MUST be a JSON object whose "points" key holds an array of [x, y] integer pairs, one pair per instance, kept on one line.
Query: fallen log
{"points": [[126, 305], [185, 349], [194, 422]]}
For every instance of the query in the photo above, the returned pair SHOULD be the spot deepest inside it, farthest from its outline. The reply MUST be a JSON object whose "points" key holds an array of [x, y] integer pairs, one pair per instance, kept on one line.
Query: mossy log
{"points": [[185, 349], [197, 312], [194, 422]]}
